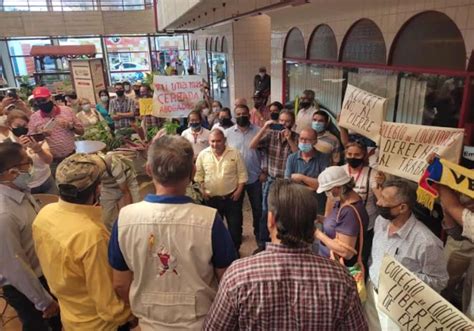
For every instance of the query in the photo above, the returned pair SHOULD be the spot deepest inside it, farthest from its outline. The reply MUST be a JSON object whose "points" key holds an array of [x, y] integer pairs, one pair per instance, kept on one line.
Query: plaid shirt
{"points": [[286, 289], [277, 149], [122, 105]]}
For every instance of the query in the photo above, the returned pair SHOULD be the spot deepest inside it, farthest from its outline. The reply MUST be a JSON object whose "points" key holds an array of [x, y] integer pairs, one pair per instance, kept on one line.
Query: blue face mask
{"points": [[318, 126], [195, 126], [305, 147]]}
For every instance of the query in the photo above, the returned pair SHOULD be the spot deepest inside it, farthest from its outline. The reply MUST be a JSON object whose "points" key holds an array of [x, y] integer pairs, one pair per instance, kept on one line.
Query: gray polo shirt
{"points": [[415, 247], [19, 265]]}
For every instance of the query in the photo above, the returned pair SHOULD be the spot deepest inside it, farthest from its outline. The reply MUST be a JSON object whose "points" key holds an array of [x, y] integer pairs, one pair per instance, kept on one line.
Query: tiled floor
{"points": [[11, 323]]}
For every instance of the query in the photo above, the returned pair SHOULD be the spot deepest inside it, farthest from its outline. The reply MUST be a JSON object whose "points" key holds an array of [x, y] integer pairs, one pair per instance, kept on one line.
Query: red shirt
{"points": [[61, 140]]}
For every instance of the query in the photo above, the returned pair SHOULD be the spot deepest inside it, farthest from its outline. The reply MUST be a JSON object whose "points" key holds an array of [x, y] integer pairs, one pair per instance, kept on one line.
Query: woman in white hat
{"points": [[341, 227]]}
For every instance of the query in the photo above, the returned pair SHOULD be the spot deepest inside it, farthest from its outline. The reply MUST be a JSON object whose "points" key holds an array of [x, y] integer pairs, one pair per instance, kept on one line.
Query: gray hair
{"points": [[295, 208], [171, 159], [405, 192]]}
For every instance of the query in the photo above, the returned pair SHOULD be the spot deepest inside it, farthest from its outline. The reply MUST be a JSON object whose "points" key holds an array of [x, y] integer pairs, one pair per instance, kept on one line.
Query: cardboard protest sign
{"points": [[363, 112], [405, 147], [412, 304], [175, 96], [146, 106]]}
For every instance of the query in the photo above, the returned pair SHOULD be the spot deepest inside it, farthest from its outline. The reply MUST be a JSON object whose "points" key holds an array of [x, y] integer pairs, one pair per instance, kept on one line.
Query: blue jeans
{"points": [[264, 235], [254, 192]]}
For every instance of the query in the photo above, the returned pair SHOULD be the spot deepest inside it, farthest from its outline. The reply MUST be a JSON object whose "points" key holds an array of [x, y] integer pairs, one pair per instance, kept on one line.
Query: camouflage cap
{"points": [[80, 170]]}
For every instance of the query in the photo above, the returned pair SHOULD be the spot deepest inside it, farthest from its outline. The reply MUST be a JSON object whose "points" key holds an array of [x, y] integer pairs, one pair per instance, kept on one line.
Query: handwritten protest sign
{"points": [[146, 106], [412, 304], [405, 147], [363, 112], [175, 96]]}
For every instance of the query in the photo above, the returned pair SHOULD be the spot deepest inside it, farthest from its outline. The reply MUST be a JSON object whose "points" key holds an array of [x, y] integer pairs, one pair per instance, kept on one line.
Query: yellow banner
{"points": [[146, 106], [412, 304], [404, 148]]}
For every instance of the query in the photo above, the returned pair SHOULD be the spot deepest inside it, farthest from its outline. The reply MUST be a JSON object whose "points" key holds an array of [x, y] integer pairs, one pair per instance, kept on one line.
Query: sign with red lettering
{"points": [[175, 96], [404, 147], [363, 112], [412, 304]]}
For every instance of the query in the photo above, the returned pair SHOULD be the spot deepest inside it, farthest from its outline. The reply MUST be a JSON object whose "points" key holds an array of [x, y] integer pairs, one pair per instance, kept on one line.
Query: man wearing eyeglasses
{"points": [[399, 234], [21, 277], [59, 123]]}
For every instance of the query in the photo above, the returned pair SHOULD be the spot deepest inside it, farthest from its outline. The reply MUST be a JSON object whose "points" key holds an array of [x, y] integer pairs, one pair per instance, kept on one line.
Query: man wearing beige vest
{"points": [[167, 252]]}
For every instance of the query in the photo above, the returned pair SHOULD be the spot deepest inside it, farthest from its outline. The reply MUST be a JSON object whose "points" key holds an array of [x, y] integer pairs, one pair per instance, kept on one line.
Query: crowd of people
{"points": [[102, 258]]}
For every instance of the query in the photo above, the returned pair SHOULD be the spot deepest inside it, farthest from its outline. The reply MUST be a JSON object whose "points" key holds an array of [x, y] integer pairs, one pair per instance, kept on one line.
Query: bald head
{"points": [[309, 133], [240, 101]]}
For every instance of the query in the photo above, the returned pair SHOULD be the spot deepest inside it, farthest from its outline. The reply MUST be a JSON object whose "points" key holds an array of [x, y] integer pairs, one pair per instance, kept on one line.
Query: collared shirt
{"points": [[285, 288], [199, 140], [61, 141], [19, 265], [414, 246], [220, 176], [312, 168], [71, 243], [277, 150], [122, 105], [304, 118], [468, 224], [332, 140], [89, 118], [240, 140]]}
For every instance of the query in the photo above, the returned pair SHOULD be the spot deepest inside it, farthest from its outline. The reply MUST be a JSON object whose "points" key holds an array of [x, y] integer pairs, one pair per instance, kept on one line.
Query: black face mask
{"points": [[354, 163], [274, 116], [258, 104], [243, 121], [20, 131], [305, 104], [225, 122], [386, 213], [120, 93], [46, 107]]}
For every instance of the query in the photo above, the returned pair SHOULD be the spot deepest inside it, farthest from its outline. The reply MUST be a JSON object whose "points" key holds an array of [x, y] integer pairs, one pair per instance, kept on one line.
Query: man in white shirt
{"points": [[399, 234], [196, 134]]}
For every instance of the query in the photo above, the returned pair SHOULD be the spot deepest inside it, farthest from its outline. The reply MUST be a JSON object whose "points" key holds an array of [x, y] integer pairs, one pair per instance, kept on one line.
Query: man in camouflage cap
{"points": [[70, 233]]}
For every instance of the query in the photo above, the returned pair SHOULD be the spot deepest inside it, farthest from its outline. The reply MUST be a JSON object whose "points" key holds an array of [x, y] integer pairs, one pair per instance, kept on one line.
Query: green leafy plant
{"points": [[171, 127], [101, 132]]}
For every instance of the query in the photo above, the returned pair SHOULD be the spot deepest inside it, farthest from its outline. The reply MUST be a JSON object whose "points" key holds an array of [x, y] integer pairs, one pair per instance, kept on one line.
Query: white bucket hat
{"points": [[332, 177]]}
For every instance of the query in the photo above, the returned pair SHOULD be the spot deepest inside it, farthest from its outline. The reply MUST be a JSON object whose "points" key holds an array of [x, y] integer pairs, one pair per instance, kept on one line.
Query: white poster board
{"points": [[175, 96], [412, 304], [363, 112], [404, 148]]}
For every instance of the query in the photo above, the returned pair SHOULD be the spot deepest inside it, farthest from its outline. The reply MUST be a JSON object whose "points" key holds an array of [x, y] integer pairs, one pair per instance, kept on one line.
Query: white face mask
{"points": [[205, 111], [104, 98], [86, 108], [215, 109]]}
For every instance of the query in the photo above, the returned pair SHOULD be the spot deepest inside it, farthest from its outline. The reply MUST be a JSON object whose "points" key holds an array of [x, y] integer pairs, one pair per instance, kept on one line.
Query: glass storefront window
{"points": [[23, 46], [126, 44], [30, 5], [73, 5], [127, 76]]}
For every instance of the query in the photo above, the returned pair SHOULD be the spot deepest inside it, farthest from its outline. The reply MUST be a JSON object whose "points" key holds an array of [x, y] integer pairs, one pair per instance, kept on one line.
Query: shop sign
{"points": [[412, 304], [363, 112], [175, 96], [404, 148]]}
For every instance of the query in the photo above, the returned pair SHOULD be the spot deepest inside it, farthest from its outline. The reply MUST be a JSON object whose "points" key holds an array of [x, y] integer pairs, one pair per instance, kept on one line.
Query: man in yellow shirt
{"points": [[222, 175], [71, 242]]}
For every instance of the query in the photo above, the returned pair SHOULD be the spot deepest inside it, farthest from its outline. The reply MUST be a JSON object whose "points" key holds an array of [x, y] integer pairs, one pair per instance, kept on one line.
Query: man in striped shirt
{"points": [[286, 287]]}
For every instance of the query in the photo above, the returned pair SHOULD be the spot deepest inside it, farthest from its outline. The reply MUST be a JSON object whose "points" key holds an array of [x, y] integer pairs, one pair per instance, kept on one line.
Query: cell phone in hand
{"points": [[37, 136], [277, 127]]}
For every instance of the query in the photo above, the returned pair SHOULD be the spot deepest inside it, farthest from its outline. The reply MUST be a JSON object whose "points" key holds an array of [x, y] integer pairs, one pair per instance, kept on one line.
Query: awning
{"points": [[66, 51]]}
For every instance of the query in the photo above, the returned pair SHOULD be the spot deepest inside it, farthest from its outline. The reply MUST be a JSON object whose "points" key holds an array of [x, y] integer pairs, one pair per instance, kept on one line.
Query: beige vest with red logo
{"points": [[168, 247]]}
